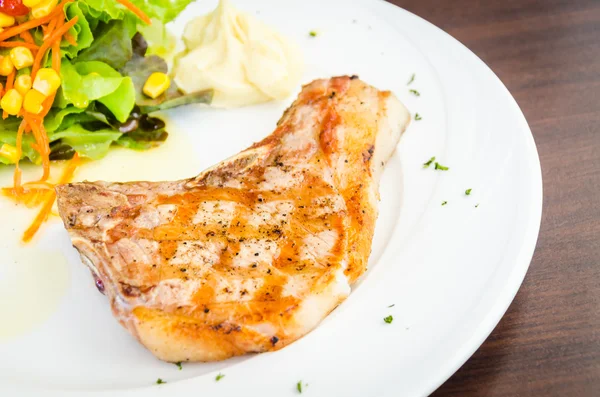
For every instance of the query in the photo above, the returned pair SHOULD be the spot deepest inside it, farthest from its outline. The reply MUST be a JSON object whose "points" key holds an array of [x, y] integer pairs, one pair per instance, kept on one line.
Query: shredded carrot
{"points": [[30, 197], [67, 175], [41, 217], [19, 143], [51, 197], [27, 37], [38, 185], [133, 8], [18, 44], [10, 79], [60, 21], [47, 105], [33, 23], [44, 151], [51, 26], [56, 56], [56, 35], [42, 145], [70, 39]]}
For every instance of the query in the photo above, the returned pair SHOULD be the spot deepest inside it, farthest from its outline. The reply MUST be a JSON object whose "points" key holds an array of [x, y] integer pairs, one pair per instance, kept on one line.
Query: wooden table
{"points": [[547, 52]]}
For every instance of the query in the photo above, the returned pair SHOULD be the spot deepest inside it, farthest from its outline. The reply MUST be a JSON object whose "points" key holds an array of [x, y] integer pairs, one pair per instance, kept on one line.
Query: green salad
{"points": [[104, 63]]}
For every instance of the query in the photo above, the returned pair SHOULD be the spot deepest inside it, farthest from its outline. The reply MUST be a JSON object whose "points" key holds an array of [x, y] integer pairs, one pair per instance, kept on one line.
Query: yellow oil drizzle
{"points": [[32, 284], [174, 159]]}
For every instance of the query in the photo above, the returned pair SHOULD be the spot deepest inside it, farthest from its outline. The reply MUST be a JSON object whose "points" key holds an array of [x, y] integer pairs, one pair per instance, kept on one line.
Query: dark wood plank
{"points": [[547, 52]]}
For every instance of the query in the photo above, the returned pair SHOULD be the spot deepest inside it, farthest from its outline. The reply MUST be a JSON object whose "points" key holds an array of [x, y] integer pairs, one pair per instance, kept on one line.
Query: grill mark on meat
{"points": [[328, 138]]}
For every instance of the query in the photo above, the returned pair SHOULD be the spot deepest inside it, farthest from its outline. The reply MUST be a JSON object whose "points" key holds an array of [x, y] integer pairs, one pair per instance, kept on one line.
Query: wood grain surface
{"points": [[547, 52]]}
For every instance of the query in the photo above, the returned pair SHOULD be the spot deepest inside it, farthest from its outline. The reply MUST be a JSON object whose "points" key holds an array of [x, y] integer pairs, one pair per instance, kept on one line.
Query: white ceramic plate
{"points": [[450, 271]]}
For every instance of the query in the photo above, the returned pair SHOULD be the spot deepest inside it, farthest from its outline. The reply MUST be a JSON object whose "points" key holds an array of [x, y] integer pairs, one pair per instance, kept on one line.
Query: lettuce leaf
{"points": [[66, 126], [102, 10], [160, 41], [81, 32], [163, 10], [91, 144], [54, 119], [85, 82], [150, 133], [61, 119], [121, 101], [165, 102], [112, 45], [107, 10]]}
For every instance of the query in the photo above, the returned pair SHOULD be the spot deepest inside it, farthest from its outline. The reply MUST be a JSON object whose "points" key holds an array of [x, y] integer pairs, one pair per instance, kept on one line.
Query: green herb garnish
{"points": [[178, 365], [476, 205], [444, 202], [219, 377], [415, 92], [418, 117], [468, 192], [427, 164], [440, 167], [159, 381], [392, 305], [312, 33], [388, 319], [412, 78], [299, 386]]}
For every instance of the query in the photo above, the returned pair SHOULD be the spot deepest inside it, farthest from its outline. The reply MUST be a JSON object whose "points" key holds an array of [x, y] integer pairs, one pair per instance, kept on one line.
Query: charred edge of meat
{"points": [[368, 154], [130, 290], [72, 220], [227, 329]]}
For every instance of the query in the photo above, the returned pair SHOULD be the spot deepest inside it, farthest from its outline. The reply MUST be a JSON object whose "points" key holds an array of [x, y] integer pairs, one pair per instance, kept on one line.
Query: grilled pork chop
{"points": [[254, 252]]}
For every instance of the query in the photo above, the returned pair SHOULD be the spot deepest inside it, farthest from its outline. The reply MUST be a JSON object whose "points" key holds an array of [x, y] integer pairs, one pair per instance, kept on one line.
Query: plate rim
{"points": [[527, 249]]}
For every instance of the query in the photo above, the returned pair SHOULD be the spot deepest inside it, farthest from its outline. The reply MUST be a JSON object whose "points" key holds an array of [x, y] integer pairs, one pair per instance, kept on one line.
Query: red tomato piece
{"points": [[13, 8]]}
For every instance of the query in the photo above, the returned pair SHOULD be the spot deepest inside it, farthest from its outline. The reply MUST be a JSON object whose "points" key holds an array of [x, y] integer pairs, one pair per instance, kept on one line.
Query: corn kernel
{"points": [[43, 8], [46, 81], [33, 101], [156, 84], [9, 152], [23, 83], [11, 102], [6, 20], [21, 57], [6, 66], [31, 3]]}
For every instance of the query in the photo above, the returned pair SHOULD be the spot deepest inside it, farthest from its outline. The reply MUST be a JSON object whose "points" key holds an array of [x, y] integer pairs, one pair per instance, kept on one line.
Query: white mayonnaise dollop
{"points": [[242, 59]]}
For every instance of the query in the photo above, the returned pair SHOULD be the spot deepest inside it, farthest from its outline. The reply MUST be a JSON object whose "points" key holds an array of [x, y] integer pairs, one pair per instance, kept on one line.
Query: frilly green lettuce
{"points": [[100, 101]]}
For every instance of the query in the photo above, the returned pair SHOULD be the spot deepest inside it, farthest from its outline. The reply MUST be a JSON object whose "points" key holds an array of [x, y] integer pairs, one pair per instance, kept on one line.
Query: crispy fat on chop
{"points": [[254, 252]]}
